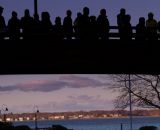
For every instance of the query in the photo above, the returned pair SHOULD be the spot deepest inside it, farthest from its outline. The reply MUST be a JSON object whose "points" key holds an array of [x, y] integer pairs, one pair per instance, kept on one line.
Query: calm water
{"points": [[98, 124]]}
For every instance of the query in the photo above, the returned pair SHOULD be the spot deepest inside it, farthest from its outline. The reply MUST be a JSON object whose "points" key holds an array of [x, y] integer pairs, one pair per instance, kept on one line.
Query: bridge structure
{"points": [[77, 56], [48, 56]]}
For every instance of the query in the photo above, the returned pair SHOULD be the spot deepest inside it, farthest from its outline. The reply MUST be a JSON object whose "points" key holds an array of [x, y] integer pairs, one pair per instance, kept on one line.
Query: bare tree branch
{"points": [[145, 90]]}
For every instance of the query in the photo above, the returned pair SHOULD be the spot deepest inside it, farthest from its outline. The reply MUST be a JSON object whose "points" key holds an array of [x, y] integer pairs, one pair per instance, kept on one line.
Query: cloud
{"points": [[45, 86], [83, 81], [76, 103], [70, 81], [7, 88], [85, 98]]}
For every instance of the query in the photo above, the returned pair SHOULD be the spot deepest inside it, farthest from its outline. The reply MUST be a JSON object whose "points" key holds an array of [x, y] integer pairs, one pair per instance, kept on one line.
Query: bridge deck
{"points": [[26, 57]]}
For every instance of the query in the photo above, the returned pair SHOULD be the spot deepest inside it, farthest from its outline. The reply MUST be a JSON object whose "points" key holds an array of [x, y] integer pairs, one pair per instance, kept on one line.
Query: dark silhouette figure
{"points": [[93, 28], [121, 18], [2, 24], [58, 29], [68, 25], [141, 30], [36, 23], [14, 27], [27, 23], [127, 32], [85, 24], [46, 23], [45, 26], [103, 25], [36, 17], [36, 31], [77, 23], [125, 29], [152, 26]]}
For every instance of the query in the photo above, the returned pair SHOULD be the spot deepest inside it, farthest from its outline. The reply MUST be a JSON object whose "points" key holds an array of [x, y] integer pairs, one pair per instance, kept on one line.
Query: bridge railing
{"points": [[113, 34]]}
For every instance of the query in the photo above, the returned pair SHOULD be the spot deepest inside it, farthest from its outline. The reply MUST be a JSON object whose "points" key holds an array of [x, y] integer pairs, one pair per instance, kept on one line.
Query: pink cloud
{"points": [[72, 81]]}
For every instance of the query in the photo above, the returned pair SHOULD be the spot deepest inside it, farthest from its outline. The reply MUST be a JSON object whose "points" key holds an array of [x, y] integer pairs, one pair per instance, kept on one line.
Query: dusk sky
{"points": [[135, 8], [56, 93]]}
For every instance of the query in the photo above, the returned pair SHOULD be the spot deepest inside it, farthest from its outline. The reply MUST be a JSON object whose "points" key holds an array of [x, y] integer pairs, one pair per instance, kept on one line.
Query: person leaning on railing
{"points": [[141, 30], [14, 25], [152, 26]]}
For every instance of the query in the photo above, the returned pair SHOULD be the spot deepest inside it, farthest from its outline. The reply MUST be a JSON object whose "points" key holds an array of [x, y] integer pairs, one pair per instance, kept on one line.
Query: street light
{"points": [[36, 111], [4, 109]]}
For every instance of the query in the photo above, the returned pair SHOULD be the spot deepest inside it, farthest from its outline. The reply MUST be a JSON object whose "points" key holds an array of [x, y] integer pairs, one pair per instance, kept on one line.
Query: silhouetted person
{"points": [[141, 30], [93, 28], [36, 21], [27, 23], [121, 18], [84, 24], [46, 23], [58, 29], [68, 25], [103, 25], [2, 24], [36, 17], [36, 27], [77, 23], [14, 25], [127, 32], [151, 25]]}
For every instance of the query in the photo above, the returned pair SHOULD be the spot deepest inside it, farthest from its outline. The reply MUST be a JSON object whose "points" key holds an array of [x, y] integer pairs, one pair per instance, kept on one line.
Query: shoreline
{"points": [[125, 117]]}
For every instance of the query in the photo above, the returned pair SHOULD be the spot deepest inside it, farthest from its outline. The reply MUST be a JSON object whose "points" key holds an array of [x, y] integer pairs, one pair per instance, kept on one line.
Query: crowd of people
{"points": [[83, 27]]}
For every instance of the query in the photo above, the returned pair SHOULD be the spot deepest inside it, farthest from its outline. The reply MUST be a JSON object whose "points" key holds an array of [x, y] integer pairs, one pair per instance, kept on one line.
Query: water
{"points": [[97, 124]]}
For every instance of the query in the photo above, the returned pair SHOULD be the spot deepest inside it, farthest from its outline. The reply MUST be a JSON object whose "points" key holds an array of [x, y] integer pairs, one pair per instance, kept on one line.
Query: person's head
{"points": [[79, 14], [26, 13], [93, 18], [36, 17], [1, 10], [150, 15], [142, 20], [45, 16], [122, 11], [103, 12], [86, 11], [69, 13], [58, 21], [14, 14]]}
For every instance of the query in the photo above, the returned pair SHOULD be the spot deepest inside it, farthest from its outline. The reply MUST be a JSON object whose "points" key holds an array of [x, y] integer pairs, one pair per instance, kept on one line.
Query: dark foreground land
{"points": [[75, 56], [9, 126]]}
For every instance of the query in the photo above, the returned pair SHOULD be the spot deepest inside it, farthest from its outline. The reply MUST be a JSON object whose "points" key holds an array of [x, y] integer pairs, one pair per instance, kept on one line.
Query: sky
{"points": [[135, 8], [56, 93]]}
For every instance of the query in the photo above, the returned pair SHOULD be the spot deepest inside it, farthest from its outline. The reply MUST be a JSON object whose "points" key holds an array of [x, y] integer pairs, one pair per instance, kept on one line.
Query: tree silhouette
{"points": [[145, 90]]}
